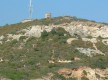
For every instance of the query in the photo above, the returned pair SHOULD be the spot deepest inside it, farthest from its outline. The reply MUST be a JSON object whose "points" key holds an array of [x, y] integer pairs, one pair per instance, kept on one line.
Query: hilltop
{"points": [[54, 49]]}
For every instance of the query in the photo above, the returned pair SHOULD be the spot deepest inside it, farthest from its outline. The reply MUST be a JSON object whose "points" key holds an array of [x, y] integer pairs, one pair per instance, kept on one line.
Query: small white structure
{"points": [[26, 20], [48, 15], [64, 61]]}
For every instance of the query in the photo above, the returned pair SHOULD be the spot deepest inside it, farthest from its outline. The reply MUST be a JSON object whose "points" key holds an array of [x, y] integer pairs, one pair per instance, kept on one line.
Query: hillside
{"points": [[61, 48]]}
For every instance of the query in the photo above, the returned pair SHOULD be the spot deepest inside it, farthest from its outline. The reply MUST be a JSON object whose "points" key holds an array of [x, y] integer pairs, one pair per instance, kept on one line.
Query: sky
{"points": [[14, 11]]}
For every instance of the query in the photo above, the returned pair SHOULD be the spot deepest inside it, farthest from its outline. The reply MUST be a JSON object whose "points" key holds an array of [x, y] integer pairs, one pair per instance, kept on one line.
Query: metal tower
{"points": [[30, 10]]}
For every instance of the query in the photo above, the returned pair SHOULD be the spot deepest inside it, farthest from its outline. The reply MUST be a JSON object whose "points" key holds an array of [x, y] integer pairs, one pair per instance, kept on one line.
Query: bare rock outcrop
{"points": [[89, 52], [87, 72]]}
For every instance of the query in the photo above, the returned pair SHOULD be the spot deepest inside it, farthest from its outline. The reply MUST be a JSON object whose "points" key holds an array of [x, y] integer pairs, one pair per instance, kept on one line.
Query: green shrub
{"points": [[58, 76], [99, 63], [84, 78], [44, 34], [53, 31], [85, 73], [14, 41], [98, 76], [90, 37], [22, 38], [30, 39], [60, 31], [52, 65]]}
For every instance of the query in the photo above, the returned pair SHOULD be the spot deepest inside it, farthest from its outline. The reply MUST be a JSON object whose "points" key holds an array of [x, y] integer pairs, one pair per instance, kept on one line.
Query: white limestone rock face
{"points": [[13, 37], [2, 37], [34, 31], [47, 28], [105, 41], [87, 30], [69, 41], [79, 30], [73, 28], [89, 52], [93, 40]]}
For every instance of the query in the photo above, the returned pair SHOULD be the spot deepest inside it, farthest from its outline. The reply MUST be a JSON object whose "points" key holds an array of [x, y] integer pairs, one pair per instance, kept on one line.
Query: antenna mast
{"points": [[30, 10]]}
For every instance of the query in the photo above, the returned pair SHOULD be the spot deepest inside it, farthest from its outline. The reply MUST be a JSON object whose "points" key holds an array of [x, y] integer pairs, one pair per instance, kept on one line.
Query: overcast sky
{"points": [[13, 11]]}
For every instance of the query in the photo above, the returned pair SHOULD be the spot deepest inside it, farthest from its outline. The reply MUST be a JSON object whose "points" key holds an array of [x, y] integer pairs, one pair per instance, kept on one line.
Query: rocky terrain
{"points": [[76, 49]]}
